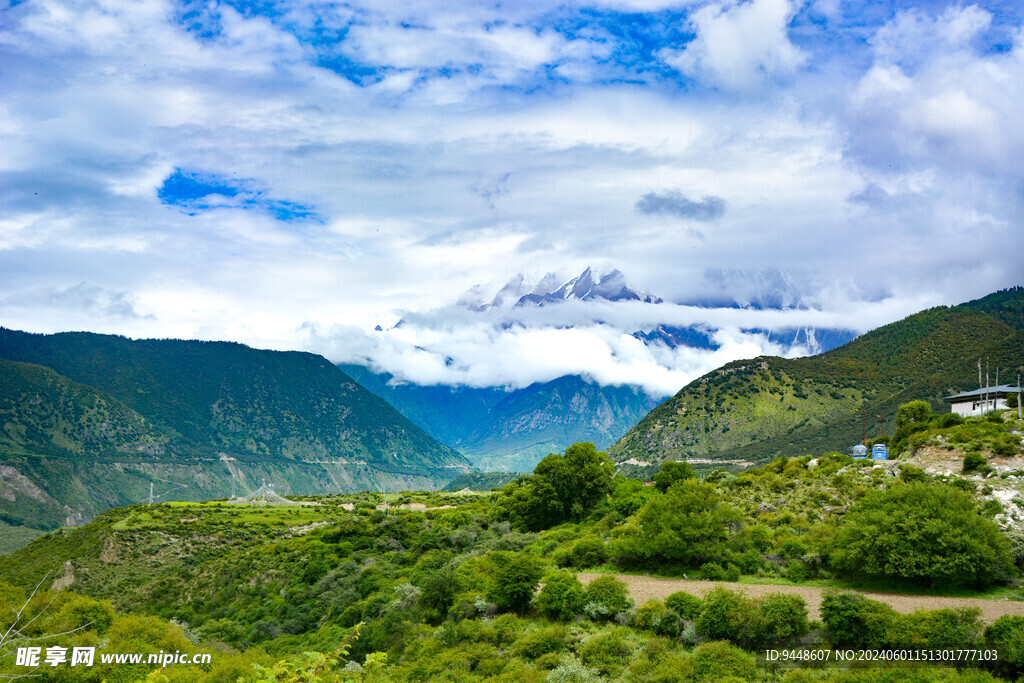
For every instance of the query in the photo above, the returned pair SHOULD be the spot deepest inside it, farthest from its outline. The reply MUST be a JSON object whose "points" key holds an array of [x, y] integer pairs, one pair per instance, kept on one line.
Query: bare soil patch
{"points": [[644, 588]]}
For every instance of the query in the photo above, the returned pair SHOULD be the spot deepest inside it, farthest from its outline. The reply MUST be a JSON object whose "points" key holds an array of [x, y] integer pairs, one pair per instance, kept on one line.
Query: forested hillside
{"points": [[761, 408], [90, 421]]}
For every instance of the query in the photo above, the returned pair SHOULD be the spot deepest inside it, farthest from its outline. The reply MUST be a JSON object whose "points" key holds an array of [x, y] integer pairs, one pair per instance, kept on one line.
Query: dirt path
{"points": [[643, 588]]}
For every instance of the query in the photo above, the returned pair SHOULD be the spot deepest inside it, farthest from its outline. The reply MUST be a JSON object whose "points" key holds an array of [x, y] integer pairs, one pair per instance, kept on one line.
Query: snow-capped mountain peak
{"points": [[611, 286]]}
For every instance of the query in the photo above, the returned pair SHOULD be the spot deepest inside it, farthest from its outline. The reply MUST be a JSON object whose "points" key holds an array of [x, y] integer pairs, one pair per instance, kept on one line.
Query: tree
{"points": [[581, 478], [687, 525], [515, 579], [671, 472], [439, 589], [924, 533], [915, 412], [562, 488]]}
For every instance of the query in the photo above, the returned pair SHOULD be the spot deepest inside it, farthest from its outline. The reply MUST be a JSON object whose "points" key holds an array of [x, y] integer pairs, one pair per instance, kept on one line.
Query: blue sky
{"points": [[292, 174]]}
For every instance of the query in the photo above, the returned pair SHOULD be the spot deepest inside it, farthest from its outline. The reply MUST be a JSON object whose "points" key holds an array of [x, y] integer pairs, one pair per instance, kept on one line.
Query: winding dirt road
{"points": [[643, 588]]}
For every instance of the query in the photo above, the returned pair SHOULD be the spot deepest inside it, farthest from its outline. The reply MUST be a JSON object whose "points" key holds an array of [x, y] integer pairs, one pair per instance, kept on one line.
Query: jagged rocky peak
{"points": [[587, 286], [611, 286]]}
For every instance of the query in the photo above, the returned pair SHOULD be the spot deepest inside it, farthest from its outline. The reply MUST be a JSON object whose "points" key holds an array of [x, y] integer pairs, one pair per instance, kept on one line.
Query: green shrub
{"points": [[947, 420], [649, 615], [974, 462], [923, 533], [1006, 635], [671, 669], [1006, 445], [533, 644], [573, 672], [561, 559], [718, 661], [608, 652], [562, 596], [963, 484], [712, 571], [515, 579], [588, 552], [938, 629], [852, 620], [759, 537], [439, 588], [781, 619], [684, 604], [723, 615], [609, 593], [909, 473]]}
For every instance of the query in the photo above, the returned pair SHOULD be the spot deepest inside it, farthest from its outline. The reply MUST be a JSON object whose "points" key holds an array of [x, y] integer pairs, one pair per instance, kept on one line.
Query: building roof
{"points": [[1001, 389]]}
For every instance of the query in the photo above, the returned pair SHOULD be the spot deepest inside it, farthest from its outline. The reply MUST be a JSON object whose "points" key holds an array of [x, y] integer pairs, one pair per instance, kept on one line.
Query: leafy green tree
{"points": [[922, 533], [910, 417], [439, 589], [628, 495], [671, 472], [915, 412], [687, 525], [515, 579], [529, 503], [580, 479], [562, 488]]}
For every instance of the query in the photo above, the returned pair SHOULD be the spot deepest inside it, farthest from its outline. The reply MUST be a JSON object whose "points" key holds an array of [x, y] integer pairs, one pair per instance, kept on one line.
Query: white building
{"points": [[981, 401]]}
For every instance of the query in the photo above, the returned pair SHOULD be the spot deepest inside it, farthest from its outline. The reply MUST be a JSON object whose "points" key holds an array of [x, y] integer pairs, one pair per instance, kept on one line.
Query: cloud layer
{"points": [[292, 174]]}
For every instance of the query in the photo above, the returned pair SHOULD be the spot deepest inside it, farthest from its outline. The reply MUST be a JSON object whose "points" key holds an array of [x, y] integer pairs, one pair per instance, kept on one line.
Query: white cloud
{"points": [[463, 143], [739, 45]]}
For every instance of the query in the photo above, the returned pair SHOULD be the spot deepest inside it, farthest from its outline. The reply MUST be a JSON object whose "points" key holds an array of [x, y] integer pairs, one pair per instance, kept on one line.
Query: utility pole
{"points": [[151, 499], [986, 385]]}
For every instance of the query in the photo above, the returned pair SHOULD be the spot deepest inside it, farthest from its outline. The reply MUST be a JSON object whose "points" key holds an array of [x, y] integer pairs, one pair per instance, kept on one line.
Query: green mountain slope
{"points": [[89, 421], [762, 408], [503, 430], [449, 414], [548, 417]]}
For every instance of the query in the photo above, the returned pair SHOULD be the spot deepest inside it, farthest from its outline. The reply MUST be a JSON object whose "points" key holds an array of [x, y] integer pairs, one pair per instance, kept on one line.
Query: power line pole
{"points": [[986, 386], [151, 499]]}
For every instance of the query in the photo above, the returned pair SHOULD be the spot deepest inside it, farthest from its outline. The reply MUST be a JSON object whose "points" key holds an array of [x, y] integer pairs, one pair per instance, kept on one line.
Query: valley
{"points": [[729, 520]]}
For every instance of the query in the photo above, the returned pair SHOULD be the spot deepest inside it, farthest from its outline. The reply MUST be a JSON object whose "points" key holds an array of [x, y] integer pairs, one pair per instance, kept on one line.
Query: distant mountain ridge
{"points": [[88, 421], [584, 287], [502, 429], [511, 430], [764, 407]]}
